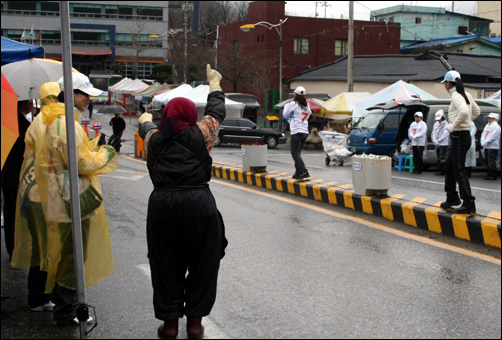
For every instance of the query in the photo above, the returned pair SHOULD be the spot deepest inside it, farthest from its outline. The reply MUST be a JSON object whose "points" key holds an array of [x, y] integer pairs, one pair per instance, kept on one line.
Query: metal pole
{"points": [[185, 12], [280, 71], [350, 61], [78, 253], [216, 57]]}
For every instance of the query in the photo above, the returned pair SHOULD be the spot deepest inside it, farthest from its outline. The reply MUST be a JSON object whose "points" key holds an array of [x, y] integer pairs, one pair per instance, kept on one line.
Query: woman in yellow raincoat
{"points": [[52, 177], [31, 231]]}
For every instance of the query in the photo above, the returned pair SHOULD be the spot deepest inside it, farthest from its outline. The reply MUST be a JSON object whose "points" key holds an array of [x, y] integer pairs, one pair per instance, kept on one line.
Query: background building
{"points": [[420, 24], [102, 32], [250, 60], [491, 10]]}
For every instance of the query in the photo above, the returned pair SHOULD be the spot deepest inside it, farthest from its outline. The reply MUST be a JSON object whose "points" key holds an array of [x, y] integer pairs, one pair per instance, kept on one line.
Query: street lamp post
{"points": [[168, 33], [269, 26]]}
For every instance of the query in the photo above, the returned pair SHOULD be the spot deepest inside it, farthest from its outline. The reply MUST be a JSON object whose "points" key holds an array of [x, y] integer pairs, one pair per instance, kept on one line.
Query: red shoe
{"points": [[195, 330], [169, 329]]}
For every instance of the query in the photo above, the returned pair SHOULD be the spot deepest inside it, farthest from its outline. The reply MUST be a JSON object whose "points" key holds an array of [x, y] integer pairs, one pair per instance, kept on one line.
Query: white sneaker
{"points": [[49, 306], [88, 320], [71, 322]]}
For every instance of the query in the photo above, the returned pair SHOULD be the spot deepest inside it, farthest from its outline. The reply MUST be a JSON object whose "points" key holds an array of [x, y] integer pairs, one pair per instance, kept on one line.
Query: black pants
{"points": [[441, 155], [184, 238], [36, 287], [460, 142], [491, 162], [297, 142], [9, 216], [65, 298], [418, 158]]}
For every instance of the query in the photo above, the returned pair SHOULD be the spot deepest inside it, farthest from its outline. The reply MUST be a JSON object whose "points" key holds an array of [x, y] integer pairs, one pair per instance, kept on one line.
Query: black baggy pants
{"points": [[297, 142], [184, 238], [460, 142]]}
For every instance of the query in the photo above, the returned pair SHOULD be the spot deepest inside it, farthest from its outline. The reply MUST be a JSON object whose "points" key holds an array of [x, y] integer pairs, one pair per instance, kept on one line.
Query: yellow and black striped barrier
{"points": [[417, 212]]}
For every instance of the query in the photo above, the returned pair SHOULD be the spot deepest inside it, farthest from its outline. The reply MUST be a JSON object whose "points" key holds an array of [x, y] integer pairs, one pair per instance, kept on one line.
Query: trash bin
{"points": [[371, 174], [254, 157]]}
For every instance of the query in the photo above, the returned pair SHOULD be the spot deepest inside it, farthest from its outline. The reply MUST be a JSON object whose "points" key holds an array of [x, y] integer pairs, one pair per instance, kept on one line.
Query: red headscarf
{"points": [[179, 114]]}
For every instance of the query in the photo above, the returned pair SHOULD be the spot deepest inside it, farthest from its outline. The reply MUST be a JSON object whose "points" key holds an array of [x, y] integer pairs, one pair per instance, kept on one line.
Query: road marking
{"points": [[211, 331], [370, 224], [145, 268], [134, 177]]}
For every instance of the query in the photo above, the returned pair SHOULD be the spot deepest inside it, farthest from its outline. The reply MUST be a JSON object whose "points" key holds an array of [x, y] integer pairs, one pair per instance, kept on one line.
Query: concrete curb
{"points": [[485, 230]]}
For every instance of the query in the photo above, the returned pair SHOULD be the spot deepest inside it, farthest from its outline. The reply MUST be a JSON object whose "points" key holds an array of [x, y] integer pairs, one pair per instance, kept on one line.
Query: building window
{"points": [[391, 19], [302, 45], [340, 47], [418, 21]]}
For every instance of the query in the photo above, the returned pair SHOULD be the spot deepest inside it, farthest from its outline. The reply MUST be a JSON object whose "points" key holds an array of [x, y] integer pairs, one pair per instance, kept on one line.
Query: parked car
{"points": [[240, 130], [382, 131]]}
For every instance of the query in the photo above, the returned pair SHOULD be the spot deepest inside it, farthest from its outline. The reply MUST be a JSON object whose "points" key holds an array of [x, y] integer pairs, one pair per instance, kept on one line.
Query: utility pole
{"points": [[216, 45], [185, 63], [325, 4], [350, 59]]}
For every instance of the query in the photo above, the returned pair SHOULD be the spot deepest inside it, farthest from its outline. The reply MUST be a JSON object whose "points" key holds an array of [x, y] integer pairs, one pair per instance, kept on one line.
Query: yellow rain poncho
{"points": [[43, 235]]}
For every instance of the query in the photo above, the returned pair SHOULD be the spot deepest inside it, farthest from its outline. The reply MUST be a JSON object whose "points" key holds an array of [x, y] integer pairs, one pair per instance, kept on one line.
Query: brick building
{"points": [[307, 43]]}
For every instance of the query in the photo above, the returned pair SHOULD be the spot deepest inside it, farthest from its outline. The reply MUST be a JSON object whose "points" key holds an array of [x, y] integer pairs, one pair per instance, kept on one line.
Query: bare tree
{"points": [[241, 10], [139, 43]]}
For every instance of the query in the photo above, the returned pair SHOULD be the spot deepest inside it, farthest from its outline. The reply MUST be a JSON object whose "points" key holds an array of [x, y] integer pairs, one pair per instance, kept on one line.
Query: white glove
{"points": [[214, 78], [449, 128], [145, 117]]}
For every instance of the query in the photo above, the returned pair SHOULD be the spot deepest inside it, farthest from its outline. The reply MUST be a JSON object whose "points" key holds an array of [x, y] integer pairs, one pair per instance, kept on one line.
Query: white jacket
{"points": [[460, 114], [490, 138], [440, 136], [298, 117], [470, 156], [417, 133]]}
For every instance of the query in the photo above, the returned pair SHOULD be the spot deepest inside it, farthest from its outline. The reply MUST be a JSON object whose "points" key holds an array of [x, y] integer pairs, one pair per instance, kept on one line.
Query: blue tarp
{"points": [[15, 51]]}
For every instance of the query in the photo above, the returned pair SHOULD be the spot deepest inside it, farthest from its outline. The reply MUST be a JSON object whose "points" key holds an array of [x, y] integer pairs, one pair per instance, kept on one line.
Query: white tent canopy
{"points": [[132, 87], [199, 96], [163, 98], [398, 91], [120, 84]]}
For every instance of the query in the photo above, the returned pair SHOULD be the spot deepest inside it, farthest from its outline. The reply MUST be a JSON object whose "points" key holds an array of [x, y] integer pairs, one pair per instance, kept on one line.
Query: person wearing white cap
{"points": [[297, 112], [417, 133], [51, 166], [461, 112], [490, 142], [441, 138]]}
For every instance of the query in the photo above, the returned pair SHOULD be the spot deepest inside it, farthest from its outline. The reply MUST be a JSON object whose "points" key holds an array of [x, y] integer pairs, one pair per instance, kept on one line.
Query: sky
{"points": [[362, 9]]}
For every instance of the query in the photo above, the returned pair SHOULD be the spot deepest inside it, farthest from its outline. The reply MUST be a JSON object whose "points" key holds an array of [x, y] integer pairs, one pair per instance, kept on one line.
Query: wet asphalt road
{"points": [[293, 269]]}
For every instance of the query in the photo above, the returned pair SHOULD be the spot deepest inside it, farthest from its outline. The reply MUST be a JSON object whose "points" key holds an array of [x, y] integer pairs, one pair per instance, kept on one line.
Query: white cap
{"points": [[494, 115], [419, 114], [451, 76], [439, 114], [300, 90], [82, 83]]}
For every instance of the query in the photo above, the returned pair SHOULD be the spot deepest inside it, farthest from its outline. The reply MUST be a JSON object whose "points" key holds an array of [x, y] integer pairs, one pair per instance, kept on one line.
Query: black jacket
{"points": [[12, 165]]}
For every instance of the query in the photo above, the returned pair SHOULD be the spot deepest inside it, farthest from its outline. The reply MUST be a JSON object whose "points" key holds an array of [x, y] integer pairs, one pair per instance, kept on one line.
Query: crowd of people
{"points": [[185, 232]]}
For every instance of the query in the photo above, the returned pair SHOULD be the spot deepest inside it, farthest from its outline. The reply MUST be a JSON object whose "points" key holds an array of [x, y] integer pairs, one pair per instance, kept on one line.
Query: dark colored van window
{"points": [[391, 122]]}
